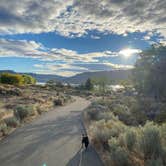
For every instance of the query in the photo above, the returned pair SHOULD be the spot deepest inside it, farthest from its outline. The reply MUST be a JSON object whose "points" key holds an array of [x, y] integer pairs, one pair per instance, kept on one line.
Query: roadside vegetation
{"points": [[21, 100], [128, 127]]}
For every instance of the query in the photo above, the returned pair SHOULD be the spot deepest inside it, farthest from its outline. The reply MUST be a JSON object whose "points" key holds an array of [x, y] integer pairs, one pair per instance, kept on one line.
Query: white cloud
{"points": [[119, 66], [61, 61], [76, 17], [95, 37]]}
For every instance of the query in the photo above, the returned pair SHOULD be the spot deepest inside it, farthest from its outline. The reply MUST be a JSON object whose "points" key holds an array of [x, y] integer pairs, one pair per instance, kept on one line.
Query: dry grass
{"points": [[22, 104]]}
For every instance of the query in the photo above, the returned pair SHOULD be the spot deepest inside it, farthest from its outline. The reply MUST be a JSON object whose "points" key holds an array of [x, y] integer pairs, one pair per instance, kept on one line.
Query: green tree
{"points": [[16, 79], [28, 79], [89, 84], [149, 72], [102, 82]]}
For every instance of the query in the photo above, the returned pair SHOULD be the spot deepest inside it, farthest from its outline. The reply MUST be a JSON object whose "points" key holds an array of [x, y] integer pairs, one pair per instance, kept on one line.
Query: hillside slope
{"points": [[114, 75]]}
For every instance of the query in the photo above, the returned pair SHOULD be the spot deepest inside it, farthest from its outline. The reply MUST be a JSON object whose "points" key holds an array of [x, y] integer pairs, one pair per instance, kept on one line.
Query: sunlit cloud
{"points": [[62, 61], [128, 52]]}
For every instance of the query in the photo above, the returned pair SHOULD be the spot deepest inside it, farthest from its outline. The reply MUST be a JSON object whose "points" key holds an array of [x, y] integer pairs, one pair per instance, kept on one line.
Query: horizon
{"points": [[6, 71], [70, 37]]}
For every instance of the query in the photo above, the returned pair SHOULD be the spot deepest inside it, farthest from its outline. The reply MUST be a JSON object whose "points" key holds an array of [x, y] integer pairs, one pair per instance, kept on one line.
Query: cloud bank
{"points": [[77, 17]]}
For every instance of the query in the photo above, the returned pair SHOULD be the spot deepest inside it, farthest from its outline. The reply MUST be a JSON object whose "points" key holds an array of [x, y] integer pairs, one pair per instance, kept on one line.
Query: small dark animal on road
{"points": [[85, 141]]}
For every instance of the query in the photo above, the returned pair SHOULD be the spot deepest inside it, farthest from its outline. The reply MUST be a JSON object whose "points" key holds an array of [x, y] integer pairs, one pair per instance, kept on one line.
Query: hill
{"points": [[113, 75]]}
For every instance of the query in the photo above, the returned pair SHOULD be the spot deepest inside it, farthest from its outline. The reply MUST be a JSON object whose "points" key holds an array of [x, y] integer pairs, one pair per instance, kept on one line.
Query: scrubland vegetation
{"points": [[128, 127], [21, 103], [125, 136]]}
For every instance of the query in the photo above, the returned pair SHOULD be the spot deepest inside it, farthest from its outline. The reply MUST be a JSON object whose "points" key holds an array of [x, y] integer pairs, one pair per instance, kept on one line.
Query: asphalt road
{"points": [[53, 139]]}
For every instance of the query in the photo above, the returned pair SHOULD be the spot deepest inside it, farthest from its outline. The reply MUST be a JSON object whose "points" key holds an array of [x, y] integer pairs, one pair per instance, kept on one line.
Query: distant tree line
{"points": [[149, 74], [16, 79]]}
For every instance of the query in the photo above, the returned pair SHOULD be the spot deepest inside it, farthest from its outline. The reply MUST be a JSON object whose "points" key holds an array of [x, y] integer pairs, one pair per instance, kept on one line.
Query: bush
{"points": [[155, 162], [12, 122], [28, 79], [16, 79], [118, 155], [130, 139], [3, 128], [23, 111], [150, 141]]}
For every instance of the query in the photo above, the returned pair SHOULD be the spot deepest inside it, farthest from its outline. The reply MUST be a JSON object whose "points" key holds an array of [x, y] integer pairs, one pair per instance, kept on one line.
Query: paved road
{"points": [[51, 140]]}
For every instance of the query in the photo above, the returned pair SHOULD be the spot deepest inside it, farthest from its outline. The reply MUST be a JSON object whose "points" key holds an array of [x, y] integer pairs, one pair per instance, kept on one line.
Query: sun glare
{"points": [[128, 52]]}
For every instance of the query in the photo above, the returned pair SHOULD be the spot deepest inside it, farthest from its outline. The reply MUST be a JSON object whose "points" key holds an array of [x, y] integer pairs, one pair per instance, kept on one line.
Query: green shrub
{"points": [[150, 141], [92, 114], [3, 128], [12, 122], [27, 79], [154, 162], [23, 111], [161, 117], [130, 139], [119, 156], [14, 79]]}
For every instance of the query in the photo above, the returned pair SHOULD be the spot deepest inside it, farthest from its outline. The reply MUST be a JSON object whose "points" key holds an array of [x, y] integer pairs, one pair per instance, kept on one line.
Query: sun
{"points": [[128, 52]]}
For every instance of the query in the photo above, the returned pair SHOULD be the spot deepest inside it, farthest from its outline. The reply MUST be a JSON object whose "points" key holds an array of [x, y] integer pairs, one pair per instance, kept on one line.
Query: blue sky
{"points": [[69, 37]]}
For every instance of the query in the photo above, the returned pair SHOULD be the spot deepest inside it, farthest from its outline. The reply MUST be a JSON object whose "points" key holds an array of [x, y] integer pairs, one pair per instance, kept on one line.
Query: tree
{"points": [[102, 82], [16, 79], [149, 72], [89, 84], [28, 79]]}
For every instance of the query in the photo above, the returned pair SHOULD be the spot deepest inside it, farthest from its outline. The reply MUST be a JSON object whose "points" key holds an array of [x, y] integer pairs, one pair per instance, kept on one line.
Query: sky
{"points": [[67, 37]]}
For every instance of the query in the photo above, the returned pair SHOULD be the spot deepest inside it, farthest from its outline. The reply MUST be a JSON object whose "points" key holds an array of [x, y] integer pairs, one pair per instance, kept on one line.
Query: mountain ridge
{"points": [[111, 75]]}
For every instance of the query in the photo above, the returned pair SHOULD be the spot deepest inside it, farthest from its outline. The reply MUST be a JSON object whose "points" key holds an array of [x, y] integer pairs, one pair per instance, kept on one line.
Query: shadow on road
{"points": [[89, 158]]}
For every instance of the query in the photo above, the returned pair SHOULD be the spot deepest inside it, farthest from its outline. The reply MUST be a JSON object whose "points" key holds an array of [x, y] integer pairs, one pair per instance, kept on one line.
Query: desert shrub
{"points": [[163, 135], [118, 155], [3, 128], [161, 117], [123, 114], [92, 114], [107, 116], [154, 162], [130, 139], [59, 102], [12, 122], [2, 125], [103, 130], [40, 109], [150, 141], [123, 143], [23, 111]]}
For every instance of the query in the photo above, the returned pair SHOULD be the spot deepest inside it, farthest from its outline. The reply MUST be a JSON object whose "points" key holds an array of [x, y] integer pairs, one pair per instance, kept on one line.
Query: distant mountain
{"points": [[46, 77], [39, 77], [113, 75]]}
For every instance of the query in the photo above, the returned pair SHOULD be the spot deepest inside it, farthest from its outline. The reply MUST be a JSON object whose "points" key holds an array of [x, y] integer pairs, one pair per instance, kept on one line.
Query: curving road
{"points": [[51, 140]]}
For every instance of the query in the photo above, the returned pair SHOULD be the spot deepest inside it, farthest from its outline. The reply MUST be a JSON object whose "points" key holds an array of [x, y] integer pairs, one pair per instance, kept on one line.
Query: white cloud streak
{"points": [[60, 61]]}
